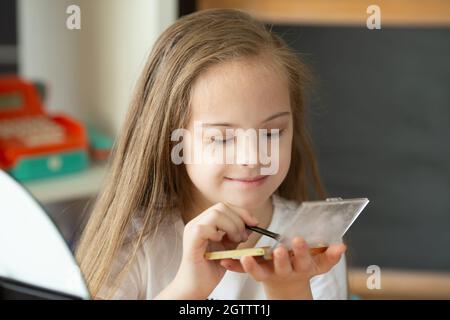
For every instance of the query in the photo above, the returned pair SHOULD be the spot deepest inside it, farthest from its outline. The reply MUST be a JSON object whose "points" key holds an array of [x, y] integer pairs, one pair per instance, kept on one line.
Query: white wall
{"points": [[92, 71], [48, 51]]}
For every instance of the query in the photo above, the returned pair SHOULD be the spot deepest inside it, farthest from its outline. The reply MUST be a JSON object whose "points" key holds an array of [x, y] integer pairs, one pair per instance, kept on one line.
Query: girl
{"points": [[154, 219]]}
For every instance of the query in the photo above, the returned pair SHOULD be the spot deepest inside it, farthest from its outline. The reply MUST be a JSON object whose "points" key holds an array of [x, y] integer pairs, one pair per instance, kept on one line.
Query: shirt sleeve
{"points": [[331, 285]]}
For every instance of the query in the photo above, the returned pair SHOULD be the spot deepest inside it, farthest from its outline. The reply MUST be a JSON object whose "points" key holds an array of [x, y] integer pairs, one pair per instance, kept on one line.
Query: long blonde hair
{"points": [[141, 179]]}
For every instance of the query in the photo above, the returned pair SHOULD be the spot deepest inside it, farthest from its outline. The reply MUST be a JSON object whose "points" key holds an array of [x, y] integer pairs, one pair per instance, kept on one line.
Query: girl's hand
{"points": [[220, 227], [288, 277]]}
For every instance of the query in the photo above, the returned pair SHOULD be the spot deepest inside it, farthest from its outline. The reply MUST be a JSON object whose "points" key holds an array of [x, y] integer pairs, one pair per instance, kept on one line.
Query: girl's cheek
{"points": [[285, 154]]}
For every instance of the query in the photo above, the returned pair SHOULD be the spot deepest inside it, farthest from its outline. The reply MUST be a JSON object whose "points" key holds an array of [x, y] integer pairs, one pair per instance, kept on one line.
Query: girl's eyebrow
{"points": [[227, 124]]}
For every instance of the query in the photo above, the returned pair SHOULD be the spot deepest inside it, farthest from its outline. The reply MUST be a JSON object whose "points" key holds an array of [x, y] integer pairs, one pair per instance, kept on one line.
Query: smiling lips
{"points": [[253, 181]]}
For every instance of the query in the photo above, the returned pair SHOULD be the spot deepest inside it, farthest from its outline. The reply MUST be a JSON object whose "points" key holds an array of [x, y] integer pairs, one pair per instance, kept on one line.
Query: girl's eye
{"points": [[220, 140], [230, 139], [274, 135]]}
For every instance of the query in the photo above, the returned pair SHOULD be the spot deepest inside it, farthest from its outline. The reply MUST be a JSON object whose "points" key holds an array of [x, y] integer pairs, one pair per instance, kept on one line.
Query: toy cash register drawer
{"points": [[34, 144]]}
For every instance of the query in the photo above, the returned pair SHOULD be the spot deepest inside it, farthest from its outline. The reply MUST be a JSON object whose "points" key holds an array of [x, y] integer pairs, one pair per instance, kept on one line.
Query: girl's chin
{"points": [[247, 202]]}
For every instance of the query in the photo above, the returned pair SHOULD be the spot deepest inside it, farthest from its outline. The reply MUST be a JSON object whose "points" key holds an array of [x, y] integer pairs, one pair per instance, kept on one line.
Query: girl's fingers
{"points": [[282, 262], [325, 261], [283, 265], [222, 221], [235, 217], [257, 271], [200, 234], [207, 232], [302, 259], [228, 244], [232, 265]]}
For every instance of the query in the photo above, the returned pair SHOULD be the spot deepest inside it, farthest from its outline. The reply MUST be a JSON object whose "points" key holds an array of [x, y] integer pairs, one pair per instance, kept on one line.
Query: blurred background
{"points": [[379, 113]]}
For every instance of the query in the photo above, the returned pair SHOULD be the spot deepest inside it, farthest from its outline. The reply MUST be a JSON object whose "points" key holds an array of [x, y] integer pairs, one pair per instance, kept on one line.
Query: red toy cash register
{"points": [[34, 144]]}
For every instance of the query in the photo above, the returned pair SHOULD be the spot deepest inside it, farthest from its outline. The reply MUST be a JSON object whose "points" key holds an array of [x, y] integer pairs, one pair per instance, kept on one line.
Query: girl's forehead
{"points": [[242, 88]]}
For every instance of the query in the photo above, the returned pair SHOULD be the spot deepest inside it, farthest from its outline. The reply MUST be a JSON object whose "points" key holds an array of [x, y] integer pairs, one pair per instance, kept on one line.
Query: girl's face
{"points": [[240, 94]]}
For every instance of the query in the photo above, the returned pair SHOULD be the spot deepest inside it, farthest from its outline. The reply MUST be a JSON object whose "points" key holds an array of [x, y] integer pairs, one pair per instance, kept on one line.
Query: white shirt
{"points": [[157, 263]]}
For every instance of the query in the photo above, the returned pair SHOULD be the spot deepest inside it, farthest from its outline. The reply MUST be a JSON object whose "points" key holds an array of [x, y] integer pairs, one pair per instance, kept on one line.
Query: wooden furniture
{"points": [[401, 284], [340, 12]]}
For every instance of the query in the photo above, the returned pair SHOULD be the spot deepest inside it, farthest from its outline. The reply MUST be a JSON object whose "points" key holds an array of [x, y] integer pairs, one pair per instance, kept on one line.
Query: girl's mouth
{"points": [[248, 181]]}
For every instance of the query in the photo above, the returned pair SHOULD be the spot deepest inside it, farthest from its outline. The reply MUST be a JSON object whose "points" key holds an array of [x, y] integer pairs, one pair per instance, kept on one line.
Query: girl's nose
{"points": [[247, 153]]}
